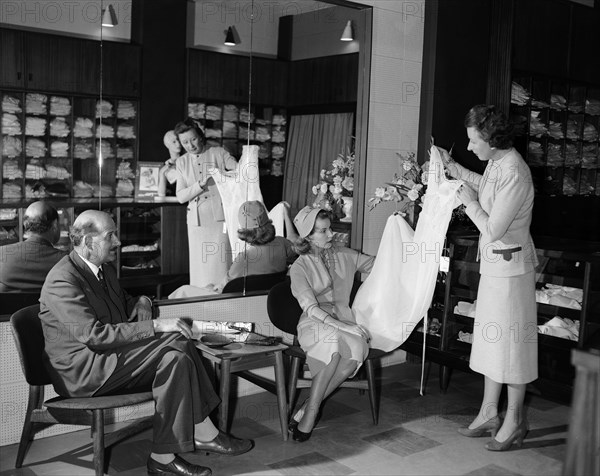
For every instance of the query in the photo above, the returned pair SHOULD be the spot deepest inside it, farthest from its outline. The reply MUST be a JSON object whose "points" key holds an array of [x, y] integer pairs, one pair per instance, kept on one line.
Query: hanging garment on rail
{"points": [[235, 188], [398, 292]]}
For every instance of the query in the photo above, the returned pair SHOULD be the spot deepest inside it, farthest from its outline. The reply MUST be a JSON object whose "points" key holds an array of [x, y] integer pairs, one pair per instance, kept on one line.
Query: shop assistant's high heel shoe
{"points": [[492, 425], [517, 437]]}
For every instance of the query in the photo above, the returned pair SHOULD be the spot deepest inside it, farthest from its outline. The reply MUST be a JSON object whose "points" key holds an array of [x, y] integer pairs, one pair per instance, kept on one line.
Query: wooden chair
{"points": [[254, 282], [284, 312], [29, 339]]}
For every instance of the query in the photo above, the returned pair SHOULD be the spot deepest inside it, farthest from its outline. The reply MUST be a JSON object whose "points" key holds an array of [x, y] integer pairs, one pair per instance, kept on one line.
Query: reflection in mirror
{"points": [[299, 35]]}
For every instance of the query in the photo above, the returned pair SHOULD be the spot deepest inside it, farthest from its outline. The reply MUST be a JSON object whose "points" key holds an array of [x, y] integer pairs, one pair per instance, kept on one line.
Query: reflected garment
{"points": [[322, 283], [237, 187], [398, 292]]}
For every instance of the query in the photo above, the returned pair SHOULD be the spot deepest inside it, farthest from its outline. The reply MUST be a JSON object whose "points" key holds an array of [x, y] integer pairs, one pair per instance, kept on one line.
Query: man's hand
{"points": [[142, 310], [174, 324]]}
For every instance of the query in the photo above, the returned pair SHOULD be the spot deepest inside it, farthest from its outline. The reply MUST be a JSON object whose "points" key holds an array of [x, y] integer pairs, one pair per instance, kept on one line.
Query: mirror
{"points": [[294, 31]]}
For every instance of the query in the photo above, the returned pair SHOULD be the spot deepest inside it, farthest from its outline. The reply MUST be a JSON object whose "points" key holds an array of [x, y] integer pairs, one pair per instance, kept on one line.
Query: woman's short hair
{"points": [[257, 236], [188, 125], [303, 246], [493, 125]]}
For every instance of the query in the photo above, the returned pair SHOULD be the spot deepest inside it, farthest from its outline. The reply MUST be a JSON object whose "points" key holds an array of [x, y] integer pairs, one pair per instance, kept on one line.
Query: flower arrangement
{"points": [[407, 188], [335, 183]]}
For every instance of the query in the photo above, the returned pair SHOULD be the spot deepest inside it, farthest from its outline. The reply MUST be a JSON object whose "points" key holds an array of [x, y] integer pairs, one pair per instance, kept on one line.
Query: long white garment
{"points": [[276, 215], [398, 292], [235, 188]]}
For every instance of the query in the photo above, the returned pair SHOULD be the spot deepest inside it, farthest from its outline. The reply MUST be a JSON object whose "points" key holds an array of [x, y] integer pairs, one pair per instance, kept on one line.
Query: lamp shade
{"points": [[229, 38], [348, 34], [109, 17]]}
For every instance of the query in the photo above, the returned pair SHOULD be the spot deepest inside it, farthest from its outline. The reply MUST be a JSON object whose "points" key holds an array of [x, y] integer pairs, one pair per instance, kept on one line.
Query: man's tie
{"points": [[101, 280]]}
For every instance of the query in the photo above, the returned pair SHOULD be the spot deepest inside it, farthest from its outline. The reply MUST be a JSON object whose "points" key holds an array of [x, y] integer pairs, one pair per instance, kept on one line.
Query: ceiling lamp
{"points": [[348, 34], [229, 38], [109, 17]]}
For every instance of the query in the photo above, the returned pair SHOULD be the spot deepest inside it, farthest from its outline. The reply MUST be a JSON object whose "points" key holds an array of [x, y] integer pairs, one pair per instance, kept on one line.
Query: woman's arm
{"points": [[510, 195], [458, 171], [188, 187]]}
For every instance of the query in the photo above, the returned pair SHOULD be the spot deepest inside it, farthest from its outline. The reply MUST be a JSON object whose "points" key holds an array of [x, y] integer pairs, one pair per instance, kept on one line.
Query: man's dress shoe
{"points": [[224, 444], [177, 467]]}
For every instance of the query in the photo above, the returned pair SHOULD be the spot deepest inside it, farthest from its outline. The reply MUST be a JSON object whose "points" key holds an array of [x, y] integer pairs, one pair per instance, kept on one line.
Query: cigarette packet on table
{"points": [[237, 331]]}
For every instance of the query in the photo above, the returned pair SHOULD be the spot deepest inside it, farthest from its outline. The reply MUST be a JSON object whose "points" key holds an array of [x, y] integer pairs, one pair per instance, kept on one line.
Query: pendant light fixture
{"points": [[230, 38], [109, 17], [348, 34]]}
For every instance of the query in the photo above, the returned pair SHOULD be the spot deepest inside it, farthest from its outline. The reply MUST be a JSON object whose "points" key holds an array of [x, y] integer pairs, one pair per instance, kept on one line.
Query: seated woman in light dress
{"points": [[321, 281]]}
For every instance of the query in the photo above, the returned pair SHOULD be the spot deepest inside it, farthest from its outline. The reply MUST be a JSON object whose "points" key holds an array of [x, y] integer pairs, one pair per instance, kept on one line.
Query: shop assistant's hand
{"points": [[142, 310], [173, 324], [466, 194]]}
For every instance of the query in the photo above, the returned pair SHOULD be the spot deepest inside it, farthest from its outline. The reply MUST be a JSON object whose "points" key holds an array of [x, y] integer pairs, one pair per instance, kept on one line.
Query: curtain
{"points": [[314, 142]]}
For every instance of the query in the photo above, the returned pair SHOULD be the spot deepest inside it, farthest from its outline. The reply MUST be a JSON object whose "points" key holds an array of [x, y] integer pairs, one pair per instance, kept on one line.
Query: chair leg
{"points": [[295, 369], [372, 393], [98, 441], [35, 395]]}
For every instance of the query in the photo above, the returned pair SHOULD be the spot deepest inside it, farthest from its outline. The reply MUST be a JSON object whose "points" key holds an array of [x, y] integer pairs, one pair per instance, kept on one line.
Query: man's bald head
{"points": [[41, 219], [89, 222]]}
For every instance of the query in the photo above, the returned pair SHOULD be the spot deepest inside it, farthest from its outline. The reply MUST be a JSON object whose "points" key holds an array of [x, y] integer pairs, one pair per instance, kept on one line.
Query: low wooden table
{"points": [[239, 359]]}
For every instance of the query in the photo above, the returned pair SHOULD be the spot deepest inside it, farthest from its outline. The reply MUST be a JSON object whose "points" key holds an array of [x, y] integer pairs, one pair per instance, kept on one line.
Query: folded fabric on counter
{"points": [[125, 188], [104, 109], [35, 103], [563, 296], [561, 327], [59, 127], [11, 146], [83, 127], [125, 110], [465, 308], [60, 106], [10, 104], [10, 124], [11, 170], [82, 189], [196, 110]]}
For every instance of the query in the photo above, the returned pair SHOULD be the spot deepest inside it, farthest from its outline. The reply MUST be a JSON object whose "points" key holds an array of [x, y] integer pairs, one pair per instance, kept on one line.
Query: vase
{"points": [[347, 209]]}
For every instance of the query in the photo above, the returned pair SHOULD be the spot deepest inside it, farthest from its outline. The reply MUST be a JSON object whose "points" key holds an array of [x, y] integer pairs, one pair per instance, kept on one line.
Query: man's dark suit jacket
{"points": [[25, 265], [84, 326]]}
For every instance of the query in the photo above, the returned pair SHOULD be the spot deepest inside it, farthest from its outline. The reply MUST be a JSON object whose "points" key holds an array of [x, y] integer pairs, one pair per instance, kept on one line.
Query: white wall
{"points": [[394, 100], [208, 21], [79, 18], [318, 33]]}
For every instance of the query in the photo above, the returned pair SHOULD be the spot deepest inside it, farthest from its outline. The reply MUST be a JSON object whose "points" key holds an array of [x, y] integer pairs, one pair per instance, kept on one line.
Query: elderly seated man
{"points": [[108, 344]]}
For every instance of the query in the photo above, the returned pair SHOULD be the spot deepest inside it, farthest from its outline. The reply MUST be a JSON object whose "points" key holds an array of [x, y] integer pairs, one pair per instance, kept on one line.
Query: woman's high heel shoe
{"points": [[517, 437], [293, 423], [492, 425], [299, 435]]}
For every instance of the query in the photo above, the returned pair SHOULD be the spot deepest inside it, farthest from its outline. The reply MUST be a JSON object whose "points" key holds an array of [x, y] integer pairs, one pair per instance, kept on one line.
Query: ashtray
{"points": [[215, 340]]}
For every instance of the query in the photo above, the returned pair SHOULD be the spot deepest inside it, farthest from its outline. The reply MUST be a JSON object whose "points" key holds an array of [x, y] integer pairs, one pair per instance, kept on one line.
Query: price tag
{"points": [[444, 264]]}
